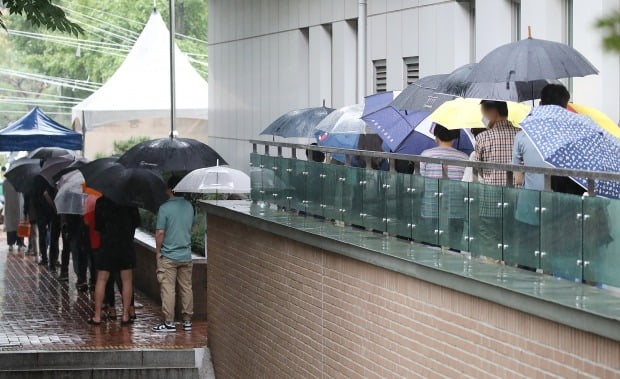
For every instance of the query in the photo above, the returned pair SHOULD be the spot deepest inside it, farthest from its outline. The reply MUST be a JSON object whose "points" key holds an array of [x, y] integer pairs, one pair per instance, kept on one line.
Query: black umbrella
{"points": [[54, 165], [531, 59], [49, 152], [298, 123], [72, 167], [171, 154], [22, 174], [136, 187], [422, 95], [457, 84]]}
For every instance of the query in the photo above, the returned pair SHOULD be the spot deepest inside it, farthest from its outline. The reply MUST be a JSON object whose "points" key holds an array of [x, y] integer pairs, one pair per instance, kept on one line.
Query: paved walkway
{"points": [[37, 312]]}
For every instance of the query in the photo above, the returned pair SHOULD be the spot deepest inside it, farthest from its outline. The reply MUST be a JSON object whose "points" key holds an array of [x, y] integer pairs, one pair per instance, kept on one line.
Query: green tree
{"points": [[610, 26], [41, 13], [121, 147]]}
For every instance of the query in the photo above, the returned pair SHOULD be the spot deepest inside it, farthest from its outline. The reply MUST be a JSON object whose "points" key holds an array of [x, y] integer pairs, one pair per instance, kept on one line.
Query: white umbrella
{"points": [[216, 179], [70, 197]]}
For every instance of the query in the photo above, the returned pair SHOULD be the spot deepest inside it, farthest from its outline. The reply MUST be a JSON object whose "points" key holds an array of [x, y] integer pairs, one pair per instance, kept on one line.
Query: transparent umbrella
{"points": [[70, 197], [346, 120], [215, 180]]}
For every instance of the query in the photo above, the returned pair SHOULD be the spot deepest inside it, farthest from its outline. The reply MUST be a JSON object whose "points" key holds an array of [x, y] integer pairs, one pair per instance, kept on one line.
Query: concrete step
{"points": [[100, 364], [103, 373]]}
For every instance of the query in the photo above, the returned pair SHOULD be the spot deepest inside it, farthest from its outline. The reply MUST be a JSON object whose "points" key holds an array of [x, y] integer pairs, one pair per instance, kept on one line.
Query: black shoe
{"points": [[81, 287], [43, 263], [165, 327], [63, 277]]}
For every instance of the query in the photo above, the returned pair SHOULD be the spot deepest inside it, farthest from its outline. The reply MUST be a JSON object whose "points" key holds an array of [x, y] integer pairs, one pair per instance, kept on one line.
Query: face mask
{"points": [[486, 122]]}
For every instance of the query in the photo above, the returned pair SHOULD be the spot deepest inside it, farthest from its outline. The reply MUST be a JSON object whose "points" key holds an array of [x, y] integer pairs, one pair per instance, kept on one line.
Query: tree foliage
{"points": [[42, 13], [113, 23], [121, 147], [610, 26]]}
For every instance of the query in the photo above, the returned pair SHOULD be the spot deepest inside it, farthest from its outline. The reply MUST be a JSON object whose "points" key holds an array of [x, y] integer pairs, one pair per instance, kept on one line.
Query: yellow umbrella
{"points": [[599, 117], [464, 113]]}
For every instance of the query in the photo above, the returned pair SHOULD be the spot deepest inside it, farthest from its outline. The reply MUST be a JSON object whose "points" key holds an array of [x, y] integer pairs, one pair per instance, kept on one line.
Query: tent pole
{"points": [[83, 135], [172, 69]]}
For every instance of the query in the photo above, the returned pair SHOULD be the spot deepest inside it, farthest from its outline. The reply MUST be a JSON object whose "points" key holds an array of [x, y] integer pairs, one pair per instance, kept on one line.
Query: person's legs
{"points": [[33, 247], [67, 241], [109, 300], [42, 227], [54, 237], [102, 279], [184, 279], [11, 238], [167, 277], [127, 280]]}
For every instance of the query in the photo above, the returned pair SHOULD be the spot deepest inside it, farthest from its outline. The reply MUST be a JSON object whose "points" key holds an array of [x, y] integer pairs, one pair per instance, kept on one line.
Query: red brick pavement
{"points": [[37, 312]]}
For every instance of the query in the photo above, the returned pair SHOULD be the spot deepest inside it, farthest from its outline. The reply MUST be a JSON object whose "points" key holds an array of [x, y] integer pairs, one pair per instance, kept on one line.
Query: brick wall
{"points": [[279, 308]]}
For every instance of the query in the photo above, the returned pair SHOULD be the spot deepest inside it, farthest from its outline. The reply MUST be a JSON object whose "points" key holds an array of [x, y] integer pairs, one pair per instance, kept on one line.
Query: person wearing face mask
{"points": [[494, 145]]}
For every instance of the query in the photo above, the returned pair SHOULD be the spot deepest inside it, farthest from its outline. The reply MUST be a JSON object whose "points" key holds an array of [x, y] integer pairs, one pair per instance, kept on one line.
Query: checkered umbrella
{"points": [[572, 141]]}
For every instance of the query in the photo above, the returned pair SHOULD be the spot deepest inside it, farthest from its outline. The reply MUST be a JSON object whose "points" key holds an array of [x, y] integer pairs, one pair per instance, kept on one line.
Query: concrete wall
{"points": [[267, 57], [279, 308]]}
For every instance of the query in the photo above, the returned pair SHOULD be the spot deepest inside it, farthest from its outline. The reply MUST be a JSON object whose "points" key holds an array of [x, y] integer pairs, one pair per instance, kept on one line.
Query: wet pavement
{"points": [[37, 312]]}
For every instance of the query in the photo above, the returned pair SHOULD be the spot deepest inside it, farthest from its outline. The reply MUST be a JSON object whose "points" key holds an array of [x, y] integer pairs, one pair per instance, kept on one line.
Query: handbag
{"points": [[23, 229]]}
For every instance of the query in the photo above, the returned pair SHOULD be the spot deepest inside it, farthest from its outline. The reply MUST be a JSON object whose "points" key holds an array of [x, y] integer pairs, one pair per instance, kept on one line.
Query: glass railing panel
{"points": [[521, 224], [561, 238], [485, 220], [425, 209], [269, 189], [453, 215], [353, 196], [375, 188], [314, 188], [256, 177], [601, 241], [279, 182], [333, 185], [399, 205], [298, 181]]}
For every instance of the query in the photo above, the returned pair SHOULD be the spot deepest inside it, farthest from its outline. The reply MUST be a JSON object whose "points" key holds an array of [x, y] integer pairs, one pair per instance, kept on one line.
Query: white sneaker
{"points": [[187, 325], [165, 327]]}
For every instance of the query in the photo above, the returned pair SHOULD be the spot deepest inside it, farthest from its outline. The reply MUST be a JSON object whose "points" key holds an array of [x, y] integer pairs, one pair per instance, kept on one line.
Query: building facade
{"points": [[268, 57]]}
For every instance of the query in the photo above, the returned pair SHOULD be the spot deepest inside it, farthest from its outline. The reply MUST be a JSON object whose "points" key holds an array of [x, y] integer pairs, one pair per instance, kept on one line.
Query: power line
{"points": [[104, 22], [70, 83], [38, 94]]}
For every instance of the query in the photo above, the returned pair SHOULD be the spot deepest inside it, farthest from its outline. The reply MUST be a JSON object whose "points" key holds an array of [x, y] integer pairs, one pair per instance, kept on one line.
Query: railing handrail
{"points": [[417, 159]]}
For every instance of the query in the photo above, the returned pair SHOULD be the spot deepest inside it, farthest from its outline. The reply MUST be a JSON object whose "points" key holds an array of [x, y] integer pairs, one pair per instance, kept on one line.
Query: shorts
{"points": [[112, 259]]}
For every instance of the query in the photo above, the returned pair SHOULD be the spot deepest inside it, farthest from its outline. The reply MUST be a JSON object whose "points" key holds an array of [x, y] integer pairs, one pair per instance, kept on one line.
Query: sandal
{"points": [[126, 323], [93, 322]]}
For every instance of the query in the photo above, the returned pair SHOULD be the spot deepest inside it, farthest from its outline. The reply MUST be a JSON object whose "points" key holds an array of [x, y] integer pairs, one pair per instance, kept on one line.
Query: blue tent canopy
{"points": [[36, 129]]}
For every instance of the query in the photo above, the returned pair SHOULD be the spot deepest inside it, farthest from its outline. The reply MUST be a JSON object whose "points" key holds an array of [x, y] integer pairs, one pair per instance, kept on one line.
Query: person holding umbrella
{"points": [[494, 145], [12, 214], [174, 257], [116, 225]]}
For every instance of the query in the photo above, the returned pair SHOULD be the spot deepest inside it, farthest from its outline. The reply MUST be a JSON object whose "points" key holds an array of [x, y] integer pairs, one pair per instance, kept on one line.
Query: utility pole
{"points": [[173, 111], [362, 15]]}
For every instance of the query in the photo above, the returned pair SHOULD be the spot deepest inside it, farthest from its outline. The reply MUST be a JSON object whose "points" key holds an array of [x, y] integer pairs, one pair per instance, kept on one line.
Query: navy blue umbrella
{"points": [[422, 95], [297, 123], [394, 126]]}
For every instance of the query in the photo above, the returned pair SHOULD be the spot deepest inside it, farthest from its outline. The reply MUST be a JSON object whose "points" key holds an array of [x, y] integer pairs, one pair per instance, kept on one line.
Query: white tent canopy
{"points": [[140, 88]]}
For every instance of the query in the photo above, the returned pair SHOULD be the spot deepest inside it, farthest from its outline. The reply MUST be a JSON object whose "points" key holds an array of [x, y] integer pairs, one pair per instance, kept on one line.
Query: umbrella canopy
{"points": [[339, 141], [48, 152], [465, 113], [457, 84], [70, 198], [599, 117], [36, 129], [422, 95], [297, 123], [171, 154], [79, 162], [394, 126], [346, 120], [531, 59], [22, 174], [136, 187], [54, 165], [568, 140], [215, 180], [377, 101], [415, 143]]}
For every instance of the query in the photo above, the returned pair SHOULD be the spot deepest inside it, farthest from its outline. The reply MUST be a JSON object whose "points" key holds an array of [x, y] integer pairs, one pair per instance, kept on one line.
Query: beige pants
{"points": [[169, 273]]}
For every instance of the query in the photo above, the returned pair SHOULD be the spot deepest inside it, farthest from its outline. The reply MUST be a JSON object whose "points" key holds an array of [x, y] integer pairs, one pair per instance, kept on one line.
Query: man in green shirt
{"points": [[174, 257]]}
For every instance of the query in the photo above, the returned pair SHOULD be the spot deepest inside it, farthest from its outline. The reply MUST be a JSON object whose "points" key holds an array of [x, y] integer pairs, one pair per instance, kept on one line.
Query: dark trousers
{"points": [[13, 239], [49, 228], [65, 254]]}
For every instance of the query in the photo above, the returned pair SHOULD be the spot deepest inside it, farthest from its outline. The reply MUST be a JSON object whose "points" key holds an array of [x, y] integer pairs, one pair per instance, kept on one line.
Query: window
{"points": [[516, 20], [380, 66], [411, 70]]}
